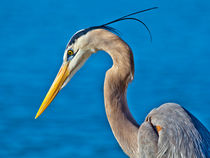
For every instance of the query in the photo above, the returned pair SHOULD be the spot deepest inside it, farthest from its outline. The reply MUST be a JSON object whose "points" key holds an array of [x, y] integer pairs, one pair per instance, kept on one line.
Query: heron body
{"points": [[169, 131], [180, 135]]}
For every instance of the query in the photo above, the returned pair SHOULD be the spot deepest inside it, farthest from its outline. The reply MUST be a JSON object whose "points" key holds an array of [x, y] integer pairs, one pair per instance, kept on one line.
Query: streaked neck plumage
{"points": [[123, 125]]}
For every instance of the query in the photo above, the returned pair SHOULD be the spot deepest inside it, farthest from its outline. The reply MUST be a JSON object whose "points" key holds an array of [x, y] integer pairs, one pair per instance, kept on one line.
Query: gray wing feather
{"points": [[147, 139], [182, 135]]}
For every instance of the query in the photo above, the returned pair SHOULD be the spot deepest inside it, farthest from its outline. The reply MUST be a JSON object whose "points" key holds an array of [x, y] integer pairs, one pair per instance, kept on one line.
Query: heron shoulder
{"points": [[181, 134]]}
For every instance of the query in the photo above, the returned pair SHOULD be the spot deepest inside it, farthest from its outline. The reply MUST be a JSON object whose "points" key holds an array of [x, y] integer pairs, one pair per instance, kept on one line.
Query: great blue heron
{"points": [[169, 131]]}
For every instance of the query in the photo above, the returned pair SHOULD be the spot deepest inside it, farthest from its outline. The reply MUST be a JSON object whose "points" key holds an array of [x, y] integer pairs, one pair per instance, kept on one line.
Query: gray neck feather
{"points": [[123, 125]]}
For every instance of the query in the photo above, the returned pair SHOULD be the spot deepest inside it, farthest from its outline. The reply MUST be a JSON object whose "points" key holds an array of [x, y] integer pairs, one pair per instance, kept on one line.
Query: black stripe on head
{"points": [[85, 31]]}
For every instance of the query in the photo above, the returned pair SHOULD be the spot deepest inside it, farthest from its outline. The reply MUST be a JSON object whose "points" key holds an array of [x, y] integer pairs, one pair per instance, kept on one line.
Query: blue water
{"points": [[175, 67]]}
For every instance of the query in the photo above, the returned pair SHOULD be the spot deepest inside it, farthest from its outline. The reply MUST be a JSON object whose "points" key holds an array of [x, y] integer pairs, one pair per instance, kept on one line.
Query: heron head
{"points": [[77, 51]]}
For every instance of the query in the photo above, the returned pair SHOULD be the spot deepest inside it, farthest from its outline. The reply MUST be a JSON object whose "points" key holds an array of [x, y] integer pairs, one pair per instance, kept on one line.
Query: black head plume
{"points": [[105, 26], [127, 17]]}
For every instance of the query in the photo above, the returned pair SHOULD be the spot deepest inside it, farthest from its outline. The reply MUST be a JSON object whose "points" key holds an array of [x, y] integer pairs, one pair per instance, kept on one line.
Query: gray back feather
{"points": [[182, 135]]}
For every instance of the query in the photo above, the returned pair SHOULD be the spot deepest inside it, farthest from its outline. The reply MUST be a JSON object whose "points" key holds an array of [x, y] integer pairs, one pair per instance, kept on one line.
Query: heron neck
{"points": [[122, 123]]}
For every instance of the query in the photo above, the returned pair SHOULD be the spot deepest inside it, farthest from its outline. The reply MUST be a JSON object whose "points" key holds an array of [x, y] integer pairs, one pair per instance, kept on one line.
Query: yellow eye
{"points": [[70, 52]]}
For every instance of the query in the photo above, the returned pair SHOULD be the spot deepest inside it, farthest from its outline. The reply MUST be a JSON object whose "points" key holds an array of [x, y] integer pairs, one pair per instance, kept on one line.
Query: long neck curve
{"points": [[123, 125]]}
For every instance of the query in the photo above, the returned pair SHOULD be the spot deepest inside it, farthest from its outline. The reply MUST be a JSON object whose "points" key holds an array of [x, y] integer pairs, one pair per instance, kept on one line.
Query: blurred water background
{"points": [[175, 67]]}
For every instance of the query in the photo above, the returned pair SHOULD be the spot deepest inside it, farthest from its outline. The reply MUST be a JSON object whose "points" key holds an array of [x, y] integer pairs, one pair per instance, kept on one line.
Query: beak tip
{"points": [[37, 115]]}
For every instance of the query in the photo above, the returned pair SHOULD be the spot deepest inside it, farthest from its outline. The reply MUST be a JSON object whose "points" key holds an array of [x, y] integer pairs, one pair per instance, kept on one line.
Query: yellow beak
{"points": [[55, 88]]}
